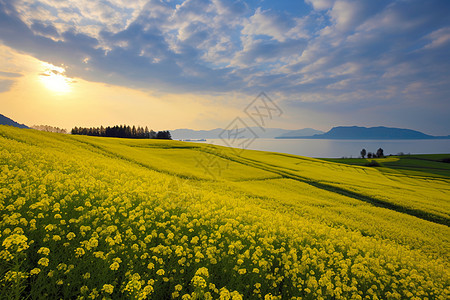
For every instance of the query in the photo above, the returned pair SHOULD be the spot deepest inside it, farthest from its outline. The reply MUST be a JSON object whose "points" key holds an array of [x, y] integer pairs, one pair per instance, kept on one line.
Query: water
{"points": [[344, 148]]}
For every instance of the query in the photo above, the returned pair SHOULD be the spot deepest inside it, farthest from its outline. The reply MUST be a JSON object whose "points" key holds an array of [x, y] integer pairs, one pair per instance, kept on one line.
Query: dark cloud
{"points": [[43, 29]]}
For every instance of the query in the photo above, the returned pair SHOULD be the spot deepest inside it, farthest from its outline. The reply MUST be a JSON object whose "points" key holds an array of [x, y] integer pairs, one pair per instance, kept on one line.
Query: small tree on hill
{"points": [[369, 155], [363, 153], [380, 152]]}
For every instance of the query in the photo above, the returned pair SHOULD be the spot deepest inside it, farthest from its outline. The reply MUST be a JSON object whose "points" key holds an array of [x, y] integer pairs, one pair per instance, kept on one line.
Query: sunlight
{"points": [[53, 78]]}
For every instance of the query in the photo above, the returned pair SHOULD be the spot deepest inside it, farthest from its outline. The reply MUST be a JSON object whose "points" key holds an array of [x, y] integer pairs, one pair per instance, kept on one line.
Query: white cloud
{"points": [[438, 38], [346, 13], [262, 23], [273, 25], [321, 4], [82, 15]]}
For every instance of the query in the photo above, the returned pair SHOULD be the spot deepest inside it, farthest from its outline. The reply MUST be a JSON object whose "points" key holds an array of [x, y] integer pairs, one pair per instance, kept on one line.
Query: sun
{"points": [[53, 78]]}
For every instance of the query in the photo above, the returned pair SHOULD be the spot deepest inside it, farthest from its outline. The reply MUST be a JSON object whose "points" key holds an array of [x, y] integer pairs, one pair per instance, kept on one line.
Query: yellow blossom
{"points": [[79, 252], [108, 288], [114, 266], [35, 271], [43, 261], [160, 272], [44, 251]]}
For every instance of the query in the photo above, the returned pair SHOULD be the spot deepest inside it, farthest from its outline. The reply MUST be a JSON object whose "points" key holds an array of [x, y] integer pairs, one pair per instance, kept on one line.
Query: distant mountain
{"points": [[300, 133], [7, 121], [182, 134], [371, 133]]}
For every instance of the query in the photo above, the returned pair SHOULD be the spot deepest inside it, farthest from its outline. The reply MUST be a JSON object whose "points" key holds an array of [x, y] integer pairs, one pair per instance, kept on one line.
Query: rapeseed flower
{"points": [[43, 261], [108, 288]]}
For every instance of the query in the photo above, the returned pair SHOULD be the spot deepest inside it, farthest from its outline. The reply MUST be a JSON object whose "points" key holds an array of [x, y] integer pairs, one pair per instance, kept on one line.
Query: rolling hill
{"points": [[124, 218]]}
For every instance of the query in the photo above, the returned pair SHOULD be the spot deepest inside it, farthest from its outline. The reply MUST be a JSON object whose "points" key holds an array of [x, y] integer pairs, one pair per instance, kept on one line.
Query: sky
{"points": [[199, 63]]}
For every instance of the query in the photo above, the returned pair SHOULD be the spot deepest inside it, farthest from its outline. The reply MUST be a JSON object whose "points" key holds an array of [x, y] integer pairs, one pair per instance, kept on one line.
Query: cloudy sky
{"points": [[198, 63]]}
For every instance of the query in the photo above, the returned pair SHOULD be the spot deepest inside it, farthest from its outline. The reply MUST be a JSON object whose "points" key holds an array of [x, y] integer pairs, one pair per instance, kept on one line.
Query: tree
{"points": [[165, 135], [120, 131], [380, 152], [369, 155], [363, 153], [140, 132], [49, 128]]}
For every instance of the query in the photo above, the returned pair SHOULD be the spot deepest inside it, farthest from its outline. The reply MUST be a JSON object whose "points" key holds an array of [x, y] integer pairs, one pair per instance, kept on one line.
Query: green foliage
{"points": [[373, 163]]}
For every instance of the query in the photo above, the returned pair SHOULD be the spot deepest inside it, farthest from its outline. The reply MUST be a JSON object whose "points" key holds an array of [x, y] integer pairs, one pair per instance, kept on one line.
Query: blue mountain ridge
{"points": [[370, 133]]}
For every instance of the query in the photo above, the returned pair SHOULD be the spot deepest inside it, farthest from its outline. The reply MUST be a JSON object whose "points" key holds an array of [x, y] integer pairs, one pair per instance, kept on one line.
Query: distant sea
{"points": [[344, 148]]}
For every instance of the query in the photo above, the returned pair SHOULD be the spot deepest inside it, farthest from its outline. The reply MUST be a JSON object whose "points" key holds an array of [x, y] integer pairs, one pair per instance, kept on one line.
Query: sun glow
{"points": [[53, 78]]}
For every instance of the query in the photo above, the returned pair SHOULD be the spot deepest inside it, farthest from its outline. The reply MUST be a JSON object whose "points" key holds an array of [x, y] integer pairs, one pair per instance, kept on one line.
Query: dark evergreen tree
{"points": [[122, 131]]}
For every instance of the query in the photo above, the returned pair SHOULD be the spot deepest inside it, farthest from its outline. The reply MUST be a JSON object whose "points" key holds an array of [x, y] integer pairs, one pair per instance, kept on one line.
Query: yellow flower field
{"points": [[87, 218]]}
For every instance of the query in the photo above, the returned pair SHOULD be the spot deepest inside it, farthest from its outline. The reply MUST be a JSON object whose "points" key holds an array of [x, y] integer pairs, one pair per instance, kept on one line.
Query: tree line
{"points": [[378, 154], [122, 131], [49, 128]]}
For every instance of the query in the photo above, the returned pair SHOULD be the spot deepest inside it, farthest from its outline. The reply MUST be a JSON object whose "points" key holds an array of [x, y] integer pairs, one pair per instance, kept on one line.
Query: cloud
{"points": [[46, 30], [113, 15], [10, 74], [269, 51], [336, 51], [321, 4], [5, 85], [347, 15], [438, 38], [269, 24]]}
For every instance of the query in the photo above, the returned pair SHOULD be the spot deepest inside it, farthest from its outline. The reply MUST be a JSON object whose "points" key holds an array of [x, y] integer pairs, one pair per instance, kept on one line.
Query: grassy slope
{"points": [[390, 213], [425, 164]]}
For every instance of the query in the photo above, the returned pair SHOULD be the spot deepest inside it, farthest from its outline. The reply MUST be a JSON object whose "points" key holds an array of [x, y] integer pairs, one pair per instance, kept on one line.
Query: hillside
{"points": [[122, 218], [427, 164], [7, 121], [371, 133]]}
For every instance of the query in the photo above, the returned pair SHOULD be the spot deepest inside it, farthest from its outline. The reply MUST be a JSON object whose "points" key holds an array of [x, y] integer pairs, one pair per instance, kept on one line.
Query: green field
{"points": [[88, 217], [426, 164]]}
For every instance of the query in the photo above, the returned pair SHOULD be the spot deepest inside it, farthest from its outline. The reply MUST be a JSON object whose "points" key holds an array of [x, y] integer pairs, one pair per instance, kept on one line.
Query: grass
{"points": [[87, 217], [419, 164]]}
